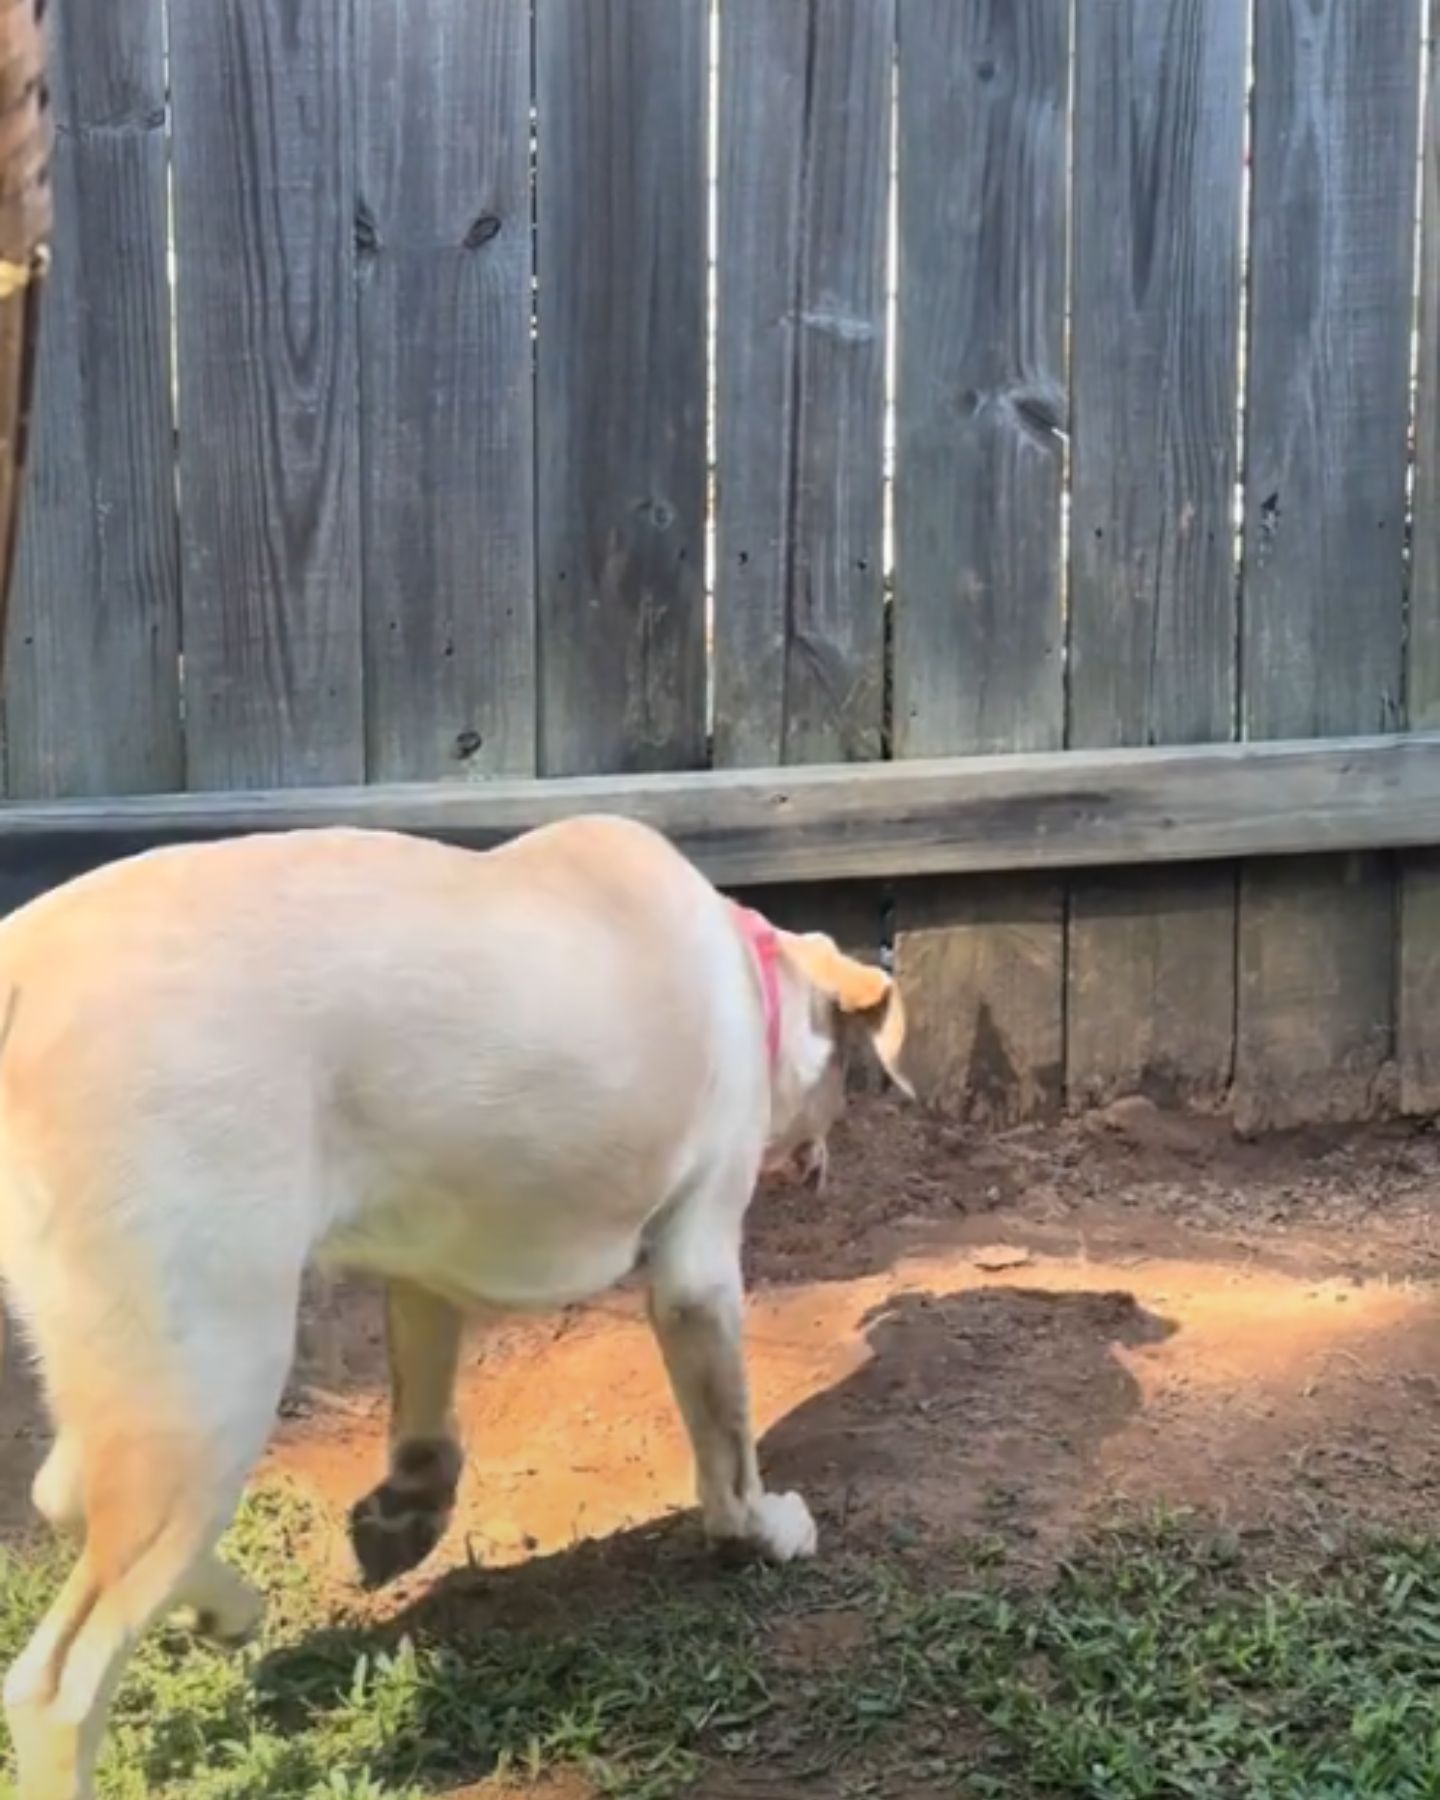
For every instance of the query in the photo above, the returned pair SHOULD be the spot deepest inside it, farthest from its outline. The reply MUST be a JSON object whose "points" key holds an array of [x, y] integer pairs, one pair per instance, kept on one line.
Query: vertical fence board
{"points": [[92, 692], [978, 631], [446, 391], [803, 181], [1159, 130], [1418, 1025], [764, 70], [1333, 223], [620, 397], [1423, 653], [981, 966], [264, 157]]}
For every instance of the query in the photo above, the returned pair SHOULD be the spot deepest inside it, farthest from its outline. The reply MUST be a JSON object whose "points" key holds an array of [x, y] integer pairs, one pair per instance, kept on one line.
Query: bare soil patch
{"points": [[964, 1332], [965, 1337]]}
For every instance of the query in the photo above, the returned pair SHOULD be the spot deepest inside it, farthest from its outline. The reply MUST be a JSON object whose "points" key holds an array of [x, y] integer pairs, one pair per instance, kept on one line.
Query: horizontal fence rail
{"points": [[825, 823]]}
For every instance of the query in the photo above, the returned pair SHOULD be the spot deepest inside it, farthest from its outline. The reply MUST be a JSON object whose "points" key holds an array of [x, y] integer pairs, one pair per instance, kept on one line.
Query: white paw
{"points": [[236, 1622], [225, 1609], [782, 1528]]}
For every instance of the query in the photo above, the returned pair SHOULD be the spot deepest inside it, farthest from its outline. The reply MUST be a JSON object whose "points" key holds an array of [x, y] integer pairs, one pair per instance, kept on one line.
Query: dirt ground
{"points": [[964, 1333]]}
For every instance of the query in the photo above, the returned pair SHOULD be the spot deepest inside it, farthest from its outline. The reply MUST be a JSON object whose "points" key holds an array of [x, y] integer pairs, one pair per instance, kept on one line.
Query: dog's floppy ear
{"points": [[861, 992]]}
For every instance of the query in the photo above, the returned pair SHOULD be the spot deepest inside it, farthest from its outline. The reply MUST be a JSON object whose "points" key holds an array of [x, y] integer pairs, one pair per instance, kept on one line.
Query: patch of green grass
{"points": [[1165, 1660], [1162, 1660]]}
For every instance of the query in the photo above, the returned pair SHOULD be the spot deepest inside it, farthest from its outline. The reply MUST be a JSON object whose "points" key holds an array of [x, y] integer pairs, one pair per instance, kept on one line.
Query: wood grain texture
{"points": [[1151, 985], [1423, 648], [980, 412], [978, 962], [93, 694], [1418, 1023], [264, 189], [1317, 967], [1159, 127], [620, 371], [446, 393], [803, 184], [1160, 98], [981, 374], [1336, 110], [977, 815], [1418, 1018]]}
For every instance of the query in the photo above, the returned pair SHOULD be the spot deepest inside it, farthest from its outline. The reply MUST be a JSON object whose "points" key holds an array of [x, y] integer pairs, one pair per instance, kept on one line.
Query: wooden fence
{"points": [[382, 390]]}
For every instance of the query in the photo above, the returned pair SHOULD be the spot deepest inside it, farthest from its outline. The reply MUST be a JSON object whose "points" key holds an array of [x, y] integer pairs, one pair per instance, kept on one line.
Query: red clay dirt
{"points": [[964, 1333]]}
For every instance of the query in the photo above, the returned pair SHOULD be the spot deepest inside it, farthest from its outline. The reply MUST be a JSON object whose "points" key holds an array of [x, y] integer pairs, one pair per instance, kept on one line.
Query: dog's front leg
{"points": [[401, 1522], [696, 1301]]}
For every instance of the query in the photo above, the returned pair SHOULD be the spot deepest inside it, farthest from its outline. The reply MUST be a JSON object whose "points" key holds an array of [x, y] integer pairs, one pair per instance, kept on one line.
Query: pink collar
{"points": [[764, 944]]}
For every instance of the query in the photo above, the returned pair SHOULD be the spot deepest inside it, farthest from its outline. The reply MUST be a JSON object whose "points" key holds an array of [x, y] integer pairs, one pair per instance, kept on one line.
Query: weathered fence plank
{"points": [[620, 368], [1418, 1007], [847, 822], [978, 629], [263, 164], [1423, 646], [92, 692], [1159, 128], [803, 180], [1336, 108], [957, 815], [446, 400], [983, 979], [1418, 1020]]}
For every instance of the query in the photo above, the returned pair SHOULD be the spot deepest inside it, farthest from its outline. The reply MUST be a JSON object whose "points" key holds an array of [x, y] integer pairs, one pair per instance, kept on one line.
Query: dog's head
{"points": [[834, 1008]]}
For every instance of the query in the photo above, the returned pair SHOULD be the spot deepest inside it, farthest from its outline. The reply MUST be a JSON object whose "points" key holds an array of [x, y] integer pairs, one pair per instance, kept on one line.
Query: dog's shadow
{"points": [[975, 1413], [973, 1408]]}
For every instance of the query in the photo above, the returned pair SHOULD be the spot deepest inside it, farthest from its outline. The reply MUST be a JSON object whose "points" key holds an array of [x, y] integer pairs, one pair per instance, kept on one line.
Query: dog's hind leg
{"points": [[696, 1308], [56, 1491], [397, 1525], [151, 1521], [221, 1605], [163, 1425]]}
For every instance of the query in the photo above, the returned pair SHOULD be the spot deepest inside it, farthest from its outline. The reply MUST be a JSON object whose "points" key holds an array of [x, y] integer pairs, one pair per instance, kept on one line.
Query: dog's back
{"points": [[354, 1025]]}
